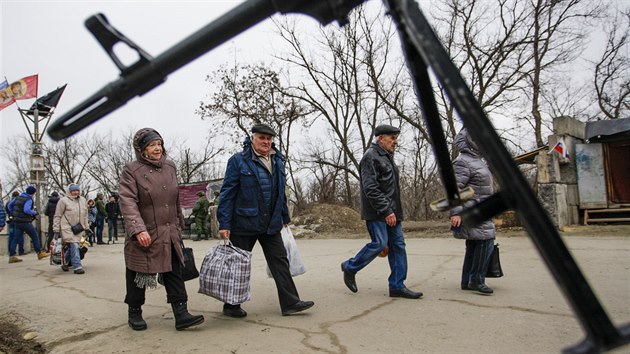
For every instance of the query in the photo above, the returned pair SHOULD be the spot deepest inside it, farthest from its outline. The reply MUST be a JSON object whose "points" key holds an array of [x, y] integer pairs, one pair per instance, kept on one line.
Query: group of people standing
{"points": [[98, 213]]}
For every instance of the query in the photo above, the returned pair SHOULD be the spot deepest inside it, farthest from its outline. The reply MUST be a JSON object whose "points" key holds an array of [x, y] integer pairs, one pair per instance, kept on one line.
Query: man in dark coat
{"points": [[53, 199], [101, 215], [113, 211], [23, 215], [253, 207], [382, 211]]}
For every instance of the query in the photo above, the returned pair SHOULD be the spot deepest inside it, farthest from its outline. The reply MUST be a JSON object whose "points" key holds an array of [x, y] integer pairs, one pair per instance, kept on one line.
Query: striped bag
{"points": [[225, 273]]}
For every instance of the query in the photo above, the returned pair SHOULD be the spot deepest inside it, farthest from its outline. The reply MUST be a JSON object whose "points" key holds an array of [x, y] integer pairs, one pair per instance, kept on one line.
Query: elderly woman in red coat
{"points": [[149, 203]]}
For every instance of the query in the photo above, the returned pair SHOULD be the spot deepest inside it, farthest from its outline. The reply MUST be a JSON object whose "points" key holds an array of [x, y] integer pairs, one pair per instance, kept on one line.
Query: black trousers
{"points": [[173, 282], [276, 256], [49, 236]]}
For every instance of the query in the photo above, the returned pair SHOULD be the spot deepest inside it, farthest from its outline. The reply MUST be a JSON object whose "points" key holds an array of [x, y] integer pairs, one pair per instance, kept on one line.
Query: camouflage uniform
{"points": [[200, 211]]}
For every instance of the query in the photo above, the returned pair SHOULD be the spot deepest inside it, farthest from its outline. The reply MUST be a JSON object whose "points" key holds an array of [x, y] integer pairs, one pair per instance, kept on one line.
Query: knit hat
{"points": [[148, 138], [31, 190], [54, 194], [74, 187], [201, 194]]}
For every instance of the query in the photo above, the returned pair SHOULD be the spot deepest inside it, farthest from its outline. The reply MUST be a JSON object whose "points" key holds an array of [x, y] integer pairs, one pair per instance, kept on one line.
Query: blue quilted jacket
{"points": [[253, 201]]}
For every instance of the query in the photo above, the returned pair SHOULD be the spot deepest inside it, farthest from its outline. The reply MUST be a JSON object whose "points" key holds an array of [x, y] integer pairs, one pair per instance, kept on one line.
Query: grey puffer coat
{"points": [[149, 201], [471, 170]]}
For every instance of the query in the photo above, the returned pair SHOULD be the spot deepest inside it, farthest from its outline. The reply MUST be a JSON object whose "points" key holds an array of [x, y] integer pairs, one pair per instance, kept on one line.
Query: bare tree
{"points": [[336, 72], [419, 179], [194, 165], [559, 29], [487, 41], [110, 159], [70, 161], [248, 95], [612, 72], [16, 151]]}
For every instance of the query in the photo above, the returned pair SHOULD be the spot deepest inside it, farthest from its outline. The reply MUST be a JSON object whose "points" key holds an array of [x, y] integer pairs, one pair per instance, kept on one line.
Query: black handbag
{"points": [[494, 266], [76, 228], [189, 270]]}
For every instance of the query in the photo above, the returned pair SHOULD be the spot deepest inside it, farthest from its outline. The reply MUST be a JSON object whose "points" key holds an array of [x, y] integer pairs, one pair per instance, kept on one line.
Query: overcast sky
{"points": [[48, 38]]}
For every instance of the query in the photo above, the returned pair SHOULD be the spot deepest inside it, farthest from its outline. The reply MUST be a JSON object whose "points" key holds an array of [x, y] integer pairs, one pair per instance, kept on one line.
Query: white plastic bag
{"points": [[56, 251], [296, 266]]}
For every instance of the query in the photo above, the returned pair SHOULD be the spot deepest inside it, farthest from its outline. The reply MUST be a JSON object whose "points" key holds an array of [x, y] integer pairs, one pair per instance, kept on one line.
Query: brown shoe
{"points": [[42, 255], [15, 259]]}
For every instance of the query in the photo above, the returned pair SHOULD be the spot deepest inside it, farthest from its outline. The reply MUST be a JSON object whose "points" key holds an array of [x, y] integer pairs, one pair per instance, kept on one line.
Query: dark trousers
{"points": [[476, 261], [276, 256], [49, 236], [112, 229], [173, 282], [29, 229], [100, 224]]}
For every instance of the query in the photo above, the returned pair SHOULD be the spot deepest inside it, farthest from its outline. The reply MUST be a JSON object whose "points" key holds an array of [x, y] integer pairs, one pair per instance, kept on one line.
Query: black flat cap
{"points": [[263, 129], [385, 129]]}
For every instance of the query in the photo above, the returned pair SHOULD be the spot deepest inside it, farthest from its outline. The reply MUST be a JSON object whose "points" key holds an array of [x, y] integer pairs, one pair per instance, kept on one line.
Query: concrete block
{"points": [[553, 198], [548, 168], [566, 125]]}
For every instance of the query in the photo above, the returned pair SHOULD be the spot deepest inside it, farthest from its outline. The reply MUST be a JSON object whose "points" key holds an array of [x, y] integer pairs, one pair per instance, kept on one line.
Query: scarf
{"points": [[146, 280]]}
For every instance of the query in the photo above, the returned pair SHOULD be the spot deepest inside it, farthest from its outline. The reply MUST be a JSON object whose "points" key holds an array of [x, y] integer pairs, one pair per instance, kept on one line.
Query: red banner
{"points": [[24, 88], [6, 98]]}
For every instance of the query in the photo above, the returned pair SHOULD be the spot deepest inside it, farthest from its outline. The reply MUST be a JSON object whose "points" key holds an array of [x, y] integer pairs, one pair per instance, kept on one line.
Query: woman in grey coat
{"points": [[149, 204], [471, 171]]}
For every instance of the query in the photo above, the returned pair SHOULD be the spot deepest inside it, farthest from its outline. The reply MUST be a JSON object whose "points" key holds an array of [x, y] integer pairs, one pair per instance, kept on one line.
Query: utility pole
{"points": [[41, 111], [38, 169]]}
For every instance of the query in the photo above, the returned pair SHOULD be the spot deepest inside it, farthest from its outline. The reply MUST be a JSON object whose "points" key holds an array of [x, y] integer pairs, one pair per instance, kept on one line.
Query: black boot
{"points": [[183, 319], [136, 322]]}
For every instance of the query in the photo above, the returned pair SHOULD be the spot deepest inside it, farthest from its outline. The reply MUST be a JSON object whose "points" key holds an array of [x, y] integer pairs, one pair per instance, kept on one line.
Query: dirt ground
{"points": [[326, 221]]}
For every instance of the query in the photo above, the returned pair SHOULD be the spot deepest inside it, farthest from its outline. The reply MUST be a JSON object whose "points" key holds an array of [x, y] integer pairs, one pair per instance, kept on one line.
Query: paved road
{"points": [[527, 314]]}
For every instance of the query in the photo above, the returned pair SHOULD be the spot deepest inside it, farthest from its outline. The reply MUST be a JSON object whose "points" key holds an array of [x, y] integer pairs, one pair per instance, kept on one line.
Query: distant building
{"points": [[587, 178]]}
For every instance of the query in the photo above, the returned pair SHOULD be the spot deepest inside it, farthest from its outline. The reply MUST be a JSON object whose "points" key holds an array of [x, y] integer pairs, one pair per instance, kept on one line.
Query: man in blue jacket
{"points": [[23, 215], [382, 211], [253, 207]]}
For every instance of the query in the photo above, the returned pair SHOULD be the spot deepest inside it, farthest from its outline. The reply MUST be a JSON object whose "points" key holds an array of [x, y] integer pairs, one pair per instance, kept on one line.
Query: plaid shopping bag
{"points": [[225, 273]]}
